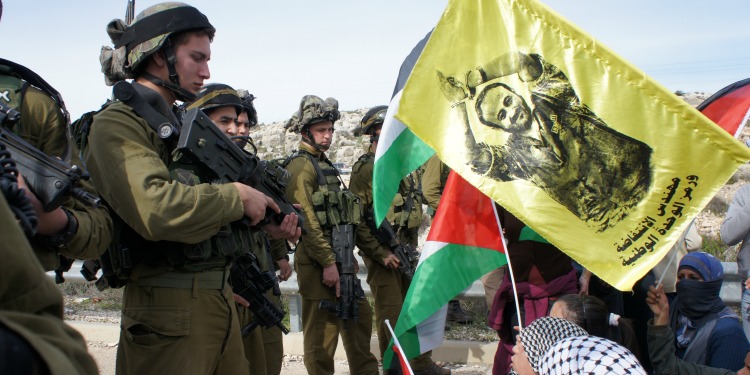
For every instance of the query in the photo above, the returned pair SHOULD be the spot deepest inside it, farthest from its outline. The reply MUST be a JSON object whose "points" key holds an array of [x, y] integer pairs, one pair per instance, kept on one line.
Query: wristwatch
{"points": [[61, 239]]}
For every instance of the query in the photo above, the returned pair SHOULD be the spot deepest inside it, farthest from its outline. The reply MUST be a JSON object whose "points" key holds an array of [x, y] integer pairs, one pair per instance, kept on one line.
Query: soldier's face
{"points": [[192, 62], [243, 124], [224, 118], [322, 133], [502, 108], [378, 129], [243, 129]]}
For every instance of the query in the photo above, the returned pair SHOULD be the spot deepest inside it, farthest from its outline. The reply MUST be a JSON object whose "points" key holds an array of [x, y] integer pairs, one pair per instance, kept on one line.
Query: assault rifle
{"points": [[50, 179], [406, 253], [205, 144], [251, 283], [347, 305]]}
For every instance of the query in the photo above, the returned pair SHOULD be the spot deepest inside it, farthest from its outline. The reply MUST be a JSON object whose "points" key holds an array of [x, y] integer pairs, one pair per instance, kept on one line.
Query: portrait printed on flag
{"points": [[550, 138]]}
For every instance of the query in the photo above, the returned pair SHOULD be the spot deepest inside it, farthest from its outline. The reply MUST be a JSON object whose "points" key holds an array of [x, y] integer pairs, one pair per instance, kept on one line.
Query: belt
{"points": [[187, 280]]}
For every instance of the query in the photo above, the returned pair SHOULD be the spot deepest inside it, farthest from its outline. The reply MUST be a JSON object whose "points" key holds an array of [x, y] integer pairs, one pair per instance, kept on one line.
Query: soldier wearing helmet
{"points": [[247, 118], [267, 354], [231, 111], [315, 184], [221, 104], [387, 283], [176, 228]]}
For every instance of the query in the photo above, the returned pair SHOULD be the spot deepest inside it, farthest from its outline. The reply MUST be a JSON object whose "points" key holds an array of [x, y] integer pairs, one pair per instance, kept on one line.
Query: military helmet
{"points": [[312, 110], [374, 117], [153, 25], [247, 104], [215, 95]]}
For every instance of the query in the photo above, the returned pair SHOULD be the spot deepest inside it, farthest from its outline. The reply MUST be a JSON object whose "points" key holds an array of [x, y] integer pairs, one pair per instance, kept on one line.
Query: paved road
{"points": [[102, 343]]}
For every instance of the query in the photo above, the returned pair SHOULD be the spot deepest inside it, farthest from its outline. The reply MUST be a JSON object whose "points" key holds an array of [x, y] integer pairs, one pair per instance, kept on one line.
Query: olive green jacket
{"points": [[433, 181], [361, 185], [44, 127], [315, 245], [32, 306], [128, 165]]}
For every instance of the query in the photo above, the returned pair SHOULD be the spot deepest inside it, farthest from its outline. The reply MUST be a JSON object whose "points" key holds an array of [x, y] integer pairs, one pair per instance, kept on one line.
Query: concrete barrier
{"points": [[731, 289]]}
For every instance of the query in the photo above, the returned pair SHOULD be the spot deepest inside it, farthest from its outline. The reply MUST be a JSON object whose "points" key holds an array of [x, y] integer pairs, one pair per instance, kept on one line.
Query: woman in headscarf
{"points": [[707, 332]]}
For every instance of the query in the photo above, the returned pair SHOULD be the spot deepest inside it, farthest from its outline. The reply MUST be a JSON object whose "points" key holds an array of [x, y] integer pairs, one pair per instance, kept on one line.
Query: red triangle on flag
{"points": [[466, 217]]}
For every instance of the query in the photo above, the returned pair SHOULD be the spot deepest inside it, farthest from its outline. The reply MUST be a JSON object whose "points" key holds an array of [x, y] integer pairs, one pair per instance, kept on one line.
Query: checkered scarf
{"points": [[542, 334], [589, 355]]}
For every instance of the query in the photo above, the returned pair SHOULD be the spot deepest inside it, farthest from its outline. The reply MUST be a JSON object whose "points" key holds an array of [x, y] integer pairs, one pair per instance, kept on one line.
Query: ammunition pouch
{"points": [[337, 207]]}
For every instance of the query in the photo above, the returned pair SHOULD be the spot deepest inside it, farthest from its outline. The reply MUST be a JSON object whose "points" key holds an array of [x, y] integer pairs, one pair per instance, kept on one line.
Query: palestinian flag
{"points": [[399, 152], [729, 107], [464, 243]]}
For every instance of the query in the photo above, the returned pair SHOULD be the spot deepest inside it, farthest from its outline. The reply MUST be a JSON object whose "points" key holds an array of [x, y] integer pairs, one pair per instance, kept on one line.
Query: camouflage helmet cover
{"points": [[247, 104], [312, 110], [372, 118], [134, 43], [215, 95]]}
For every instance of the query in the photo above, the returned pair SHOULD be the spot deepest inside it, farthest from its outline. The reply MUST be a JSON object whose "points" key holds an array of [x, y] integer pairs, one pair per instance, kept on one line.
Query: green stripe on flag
{"points": [[442, 275], [405, 155]]}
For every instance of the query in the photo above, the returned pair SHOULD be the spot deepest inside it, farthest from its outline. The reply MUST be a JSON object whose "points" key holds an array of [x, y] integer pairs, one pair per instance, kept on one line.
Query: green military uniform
{"points": [[43, 125], [321, 328], [433, 181], [32, 307], [176, 318], [407, 223], [388, 286]]}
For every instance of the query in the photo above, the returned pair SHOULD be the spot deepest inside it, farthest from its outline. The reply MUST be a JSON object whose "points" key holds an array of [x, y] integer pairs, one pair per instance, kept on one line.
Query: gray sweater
{"points": [[736, 228]]}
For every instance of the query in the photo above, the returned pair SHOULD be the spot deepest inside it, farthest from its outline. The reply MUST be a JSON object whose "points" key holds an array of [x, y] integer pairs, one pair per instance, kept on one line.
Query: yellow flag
{"points": [[586, 149]]}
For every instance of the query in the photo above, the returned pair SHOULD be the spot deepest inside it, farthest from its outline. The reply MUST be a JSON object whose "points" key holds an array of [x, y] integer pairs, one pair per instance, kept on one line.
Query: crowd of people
{"points": [[174, 233]]}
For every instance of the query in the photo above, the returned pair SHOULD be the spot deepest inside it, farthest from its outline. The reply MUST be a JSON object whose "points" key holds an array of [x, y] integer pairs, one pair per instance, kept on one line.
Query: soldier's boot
{"points": [[457, 314]]}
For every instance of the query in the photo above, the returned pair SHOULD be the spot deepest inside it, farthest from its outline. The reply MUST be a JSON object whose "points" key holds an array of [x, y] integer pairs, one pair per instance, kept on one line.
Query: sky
{"points": [[351, 49]]}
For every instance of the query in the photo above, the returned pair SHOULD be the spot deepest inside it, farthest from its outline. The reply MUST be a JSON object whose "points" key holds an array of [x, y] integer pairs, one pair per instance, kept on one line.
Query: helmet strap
{"points": [[171, 61], [311, 140], [173, 85]]}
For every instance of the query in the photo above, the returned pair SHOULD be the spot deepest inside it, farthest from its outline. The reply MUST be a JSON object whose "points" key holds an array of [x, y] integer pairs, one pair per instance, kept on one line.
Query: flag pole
{"points": [[510, 268], [399, 349], [666, 269]]}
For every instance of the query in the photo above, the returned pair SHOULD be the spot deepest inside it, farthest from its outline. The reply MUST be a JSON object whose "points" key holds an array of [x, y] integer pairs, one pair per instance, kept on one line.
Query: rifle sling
{"points": [[126, 93]]}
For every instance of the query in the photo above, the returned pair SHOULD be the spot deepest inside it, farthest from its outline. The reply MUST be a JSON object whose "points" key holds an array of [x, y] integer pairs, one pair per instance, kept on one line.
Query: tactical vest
{"points": [[332, 204], [407, 205]]}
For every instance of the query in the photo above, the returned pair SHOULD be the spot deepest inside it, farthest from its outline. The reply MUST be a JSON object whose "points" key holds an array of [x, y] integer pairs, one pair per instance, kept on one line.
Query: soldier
{"points": [[33, 336], [230, 113], [327, 206], [178, 231], [387, 283], [34, 339], [273, 257], [433, 181], [73, 230]]}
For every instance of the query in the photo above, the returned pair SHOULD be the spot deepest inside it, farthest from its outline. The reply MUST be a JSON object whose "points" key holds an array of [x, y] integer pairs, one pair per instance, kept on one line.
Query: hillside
{"points": [[273, 142]]}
